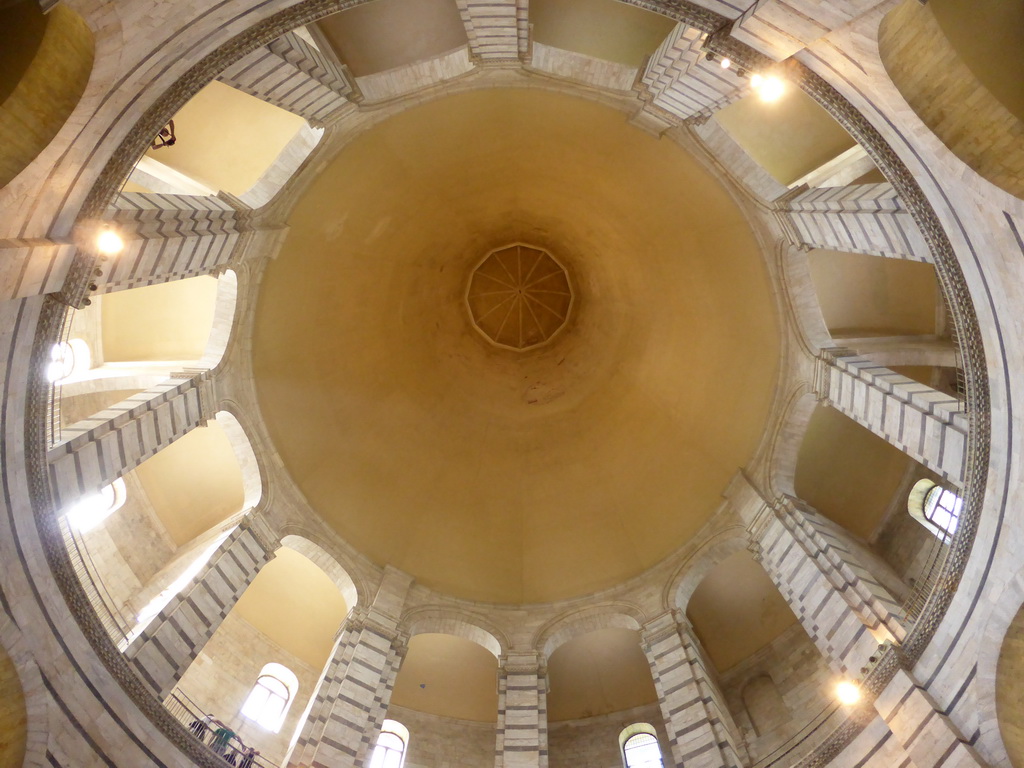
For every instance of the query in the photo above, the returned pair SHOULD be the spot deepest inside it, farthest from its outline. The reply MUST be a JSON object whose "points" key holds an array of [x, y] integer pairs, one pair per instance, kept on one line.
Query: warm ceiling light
{"points": [[848, 693], [770, 88], [726, 63], [109, 243], [756, 80]]}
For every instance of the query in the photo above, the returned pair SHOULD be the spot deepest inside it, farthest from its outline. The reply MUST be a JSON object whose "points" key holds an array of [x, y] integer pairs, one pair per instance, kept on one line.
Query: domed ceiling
{"points": [[515, 475]]}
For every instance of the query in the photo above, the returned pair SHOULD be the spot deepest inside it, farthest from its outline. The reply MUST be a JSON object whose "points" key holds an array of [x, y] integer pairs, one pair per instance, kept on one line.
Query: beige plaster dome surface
{"points": [[498, 474]]}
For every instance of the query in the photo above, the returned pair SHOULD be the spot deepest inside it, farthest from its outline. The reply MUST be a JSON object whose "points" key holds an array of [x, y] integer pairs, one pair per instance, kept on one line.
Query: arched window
{"points": [[640, 748], [391, 745], [271, 696], [935, 507], [94, 508], [67, 359]]}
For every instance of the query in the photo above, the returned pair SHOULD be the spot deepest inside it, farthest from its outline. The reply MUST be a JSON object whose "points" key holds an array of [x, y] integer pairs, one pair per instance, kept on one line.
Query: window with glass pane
{"points": [[389, 752], [267, 702], [642, 751], [942, 509]]}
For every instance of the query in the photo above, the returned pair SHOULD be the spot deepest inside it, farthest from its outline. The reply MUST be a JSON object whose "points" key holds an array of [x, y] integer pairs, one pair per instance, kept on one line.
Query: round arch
{"points": [[1006, 619], [248, 463], [45, 74], [566, 627], [323, 559], [957, 107], [443, 621], [790, 436], [692, 573], [18, 657]]}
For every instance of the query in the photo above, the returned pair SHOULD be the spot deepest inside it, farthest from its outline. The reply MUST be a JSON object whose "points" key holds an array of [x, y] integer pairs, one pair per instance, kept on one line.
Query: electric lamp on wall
{"points": [[847, 692]]}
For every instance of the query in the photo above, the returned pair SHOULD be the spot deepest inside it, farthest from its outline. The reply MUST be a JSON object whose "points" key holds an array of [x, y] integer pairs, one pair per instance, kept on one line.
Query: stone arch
{"points": [[1006, 619], [566, 627], [692, 573], [950, 100], [763, 703], [223, 320], [43, 81], [786, 447], [248, 463], [14, 647], [446, 621], [311, 550]]}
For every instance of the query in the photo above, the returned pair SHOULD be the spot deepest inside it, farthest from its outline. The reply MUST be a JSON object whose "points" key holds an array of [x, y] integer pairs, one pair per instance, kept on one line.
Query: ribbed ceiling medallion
{"points": [[519, 296]]}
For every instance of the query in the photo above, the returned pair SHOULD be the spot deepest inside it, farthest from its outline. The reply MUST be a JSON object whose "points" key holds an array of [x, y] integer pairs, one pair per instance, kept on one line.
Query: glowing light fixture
{"points": [[771, 88], [847, 692], [756, 80], [109, 243], [726, 63]]}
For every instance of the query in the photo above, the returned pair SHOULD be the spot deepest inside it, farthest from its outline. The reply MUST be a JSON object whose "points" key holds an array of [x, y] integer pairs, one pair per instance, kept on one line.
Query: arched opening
{"points": [[163, 322], [445, 695], [217, 146], [640, 747], [45, 63], [598, 682], [860, 482], [13, 715], [392, 745], [287, 616], [763, 704], [271, 697], [159, 530], [750, 633], [973, 102], [797, 141], [1009, 694], [863, 295]]}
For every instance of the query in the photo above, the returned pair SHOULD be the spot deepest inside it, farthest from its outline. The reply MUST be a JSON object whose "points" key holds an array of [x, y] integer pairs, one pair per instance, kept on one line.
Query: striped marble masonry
{"points": [[293, 75], [841, 606], [173, 639], [780, 28], [921, 727], [928, 425], [681, 80], [498, 30], [701, 732], [96, 451], [33, 267], [862, 218], [169, 237], [351, 701], [522, 731]]}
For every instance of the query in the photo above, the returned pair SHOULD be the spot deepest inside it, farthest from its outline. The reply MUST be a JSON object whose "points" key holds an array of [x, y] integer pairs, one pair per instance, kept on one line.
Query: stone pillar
{"points": [[166, 648], [700, 730], [680, 79], [522, 733], [890, 351], [498, 30], [98, 450], [917, 722], [865, 218], [171, 237], [828, 581], [928, 425], [293, 75], [344, 717]]}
